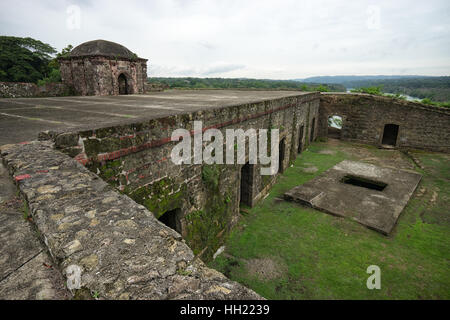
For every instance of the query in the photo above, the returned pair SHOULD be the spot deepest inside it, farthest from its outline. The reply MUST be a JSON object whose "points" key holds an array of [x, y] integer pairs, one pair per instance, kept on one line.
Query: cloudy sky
{"points": [[277, 39]]}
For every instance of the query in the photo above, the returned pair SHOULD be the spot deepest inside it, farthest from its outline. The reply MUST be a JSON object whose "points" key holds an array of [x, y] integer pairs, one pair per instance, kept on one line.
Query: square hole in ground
{"points": [[359, 191]]}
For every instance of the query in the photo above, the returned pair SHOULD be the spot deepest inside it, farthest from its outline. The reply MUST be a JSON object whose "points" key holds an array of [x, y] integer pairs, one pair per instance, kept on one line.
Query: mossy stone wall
{"points": [[136, 160]]}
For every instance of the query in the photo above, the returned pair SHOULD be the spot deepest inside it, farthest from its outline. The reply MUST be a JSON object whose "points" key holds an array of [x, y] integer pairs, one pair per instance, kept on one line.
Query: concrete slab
{"points": [[21, 119], [343, 191]]}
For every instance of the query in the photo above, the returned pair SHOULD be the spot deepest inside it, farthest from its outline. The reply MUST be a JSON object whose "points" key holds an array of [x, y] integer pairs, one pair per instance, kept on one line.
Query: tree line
{"points": [[242, 83]]}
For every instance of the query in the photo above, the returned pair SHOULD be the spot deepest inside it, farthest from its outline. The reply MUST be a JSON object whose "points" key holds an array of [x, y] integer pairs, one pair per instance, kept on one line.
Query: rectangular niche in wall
{"points": [[390, 134]]}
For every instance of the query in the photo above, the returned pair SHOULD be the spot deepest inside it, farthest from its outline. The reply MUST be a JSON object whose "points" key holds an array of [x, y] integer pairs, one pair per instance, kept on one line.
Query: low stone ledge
{"points": [[120, 248], [25, 89]]}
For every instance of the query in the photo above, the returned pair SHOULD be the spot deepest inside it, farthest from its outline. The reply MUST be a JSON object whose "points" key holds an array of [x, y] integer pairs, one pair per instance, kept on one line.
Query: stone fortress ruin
{"points": [[107, 200]]}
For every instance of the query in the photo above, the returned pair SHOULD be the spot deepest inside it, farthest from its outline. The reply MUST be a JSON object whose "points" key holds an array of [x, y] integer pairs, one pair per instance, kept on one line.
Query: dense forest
{"points": [[24, 59], [229, 83], [29, 60]]}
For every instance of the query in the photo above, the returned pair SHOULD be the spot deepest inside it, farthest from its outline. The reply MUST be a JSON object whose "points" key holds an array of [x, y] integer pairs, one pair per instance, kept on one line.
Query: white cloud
{"points": [[263, 39]]}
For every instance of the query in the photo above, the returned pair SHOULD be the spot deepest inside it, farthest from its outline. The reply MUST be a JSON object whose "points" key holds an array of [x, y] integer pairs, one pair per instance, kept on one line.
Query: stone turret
{"points": [[102, 67]]}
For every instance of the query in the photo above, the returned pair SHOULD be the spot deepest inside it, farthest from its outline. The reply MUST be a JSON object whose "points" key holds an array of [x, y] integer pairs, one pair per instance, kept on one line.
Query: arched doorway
{"points": [[334, 126], [390, 134], [123, 84]]}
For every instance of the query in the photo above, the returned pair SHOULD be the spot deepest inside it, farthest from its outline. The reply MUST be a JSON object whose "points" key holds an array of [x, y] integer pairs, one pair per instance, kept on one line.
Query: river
{"points": [[408, 98]]}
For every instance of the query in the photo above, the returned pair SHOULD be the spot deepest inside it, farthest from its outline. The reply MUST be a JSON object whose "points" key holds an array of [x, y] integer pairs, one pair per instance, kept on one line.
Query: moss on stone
{"points": [[92, 147], [160, 196], [211, 176], [203, 227], [108, 171]]}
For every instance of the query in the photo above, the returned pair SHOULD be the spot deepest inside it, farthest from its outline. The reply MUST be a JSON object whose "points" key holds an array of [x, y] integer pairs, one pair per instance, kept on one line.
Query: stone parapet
{"points": [[25, 89], [119, 248]]}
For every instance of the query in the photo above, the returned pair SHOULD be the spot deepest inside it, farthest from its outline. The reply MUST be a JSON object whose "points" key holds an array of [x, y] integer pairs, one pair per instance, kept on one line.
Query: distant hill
{"points": [[346, 79], [434, 88]]}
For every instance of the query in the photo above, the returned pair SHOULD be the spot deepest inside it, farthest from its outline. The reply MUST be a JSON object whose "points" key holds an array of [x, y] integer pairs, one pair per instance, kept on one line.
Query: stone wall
{"points": [[136, 160], [106, 245], [155, 87], [24, 90], [365, 116], [98, 75]]}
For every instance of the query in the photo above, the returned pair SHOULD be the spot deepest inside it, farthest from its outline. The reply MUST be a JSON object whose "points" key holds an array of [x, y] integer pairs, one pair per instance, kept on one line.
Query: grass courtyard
{"points": [[282, 250]]}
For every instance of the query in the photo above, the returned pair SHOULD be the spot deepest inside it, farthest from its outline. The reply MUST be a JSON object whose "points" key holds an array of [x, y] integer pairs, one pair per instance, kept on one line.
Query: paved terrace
{"points": [[21, 119]]}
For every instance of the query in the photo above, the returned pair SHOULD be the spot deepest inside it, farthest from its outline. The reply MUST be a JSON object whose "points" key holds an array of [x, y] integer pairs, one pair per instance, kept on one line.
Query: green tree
{"points": [[322, 88], [54, 75], [24, 59], [378, 91]]}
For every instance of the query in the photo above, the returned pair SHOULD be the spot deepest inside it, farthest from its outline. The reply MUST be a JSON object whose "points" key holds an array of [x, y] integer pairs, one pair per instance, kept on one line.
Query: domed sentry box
{"points": [[102, 68]]}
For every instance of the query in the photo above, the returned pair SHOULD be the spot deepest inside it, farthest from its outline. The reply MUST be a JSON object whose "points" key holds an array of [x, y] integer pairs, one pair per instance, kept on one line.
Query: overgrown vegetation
{"points": [[320, 256], [225, 83], [206, 229], [55, 74], [369, 90], [435, 103], [434, 88]]}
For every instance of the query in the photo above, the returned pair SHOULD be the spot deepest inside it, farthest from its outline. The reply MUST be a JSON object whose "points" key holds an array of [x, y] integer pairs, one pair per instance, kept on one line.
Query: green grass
{"points": [[326, 257]]}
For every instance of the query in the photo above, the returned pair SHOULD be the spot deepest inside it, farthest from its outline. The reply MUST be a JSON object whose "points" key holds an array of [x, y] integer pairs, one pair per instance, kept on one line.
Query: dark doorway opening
{"points": [[390, 134], [313, 129], [334, 126], [364, 182], [300, 139], [123, 84], [282, 154], [172, 219], [246, 184]]}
